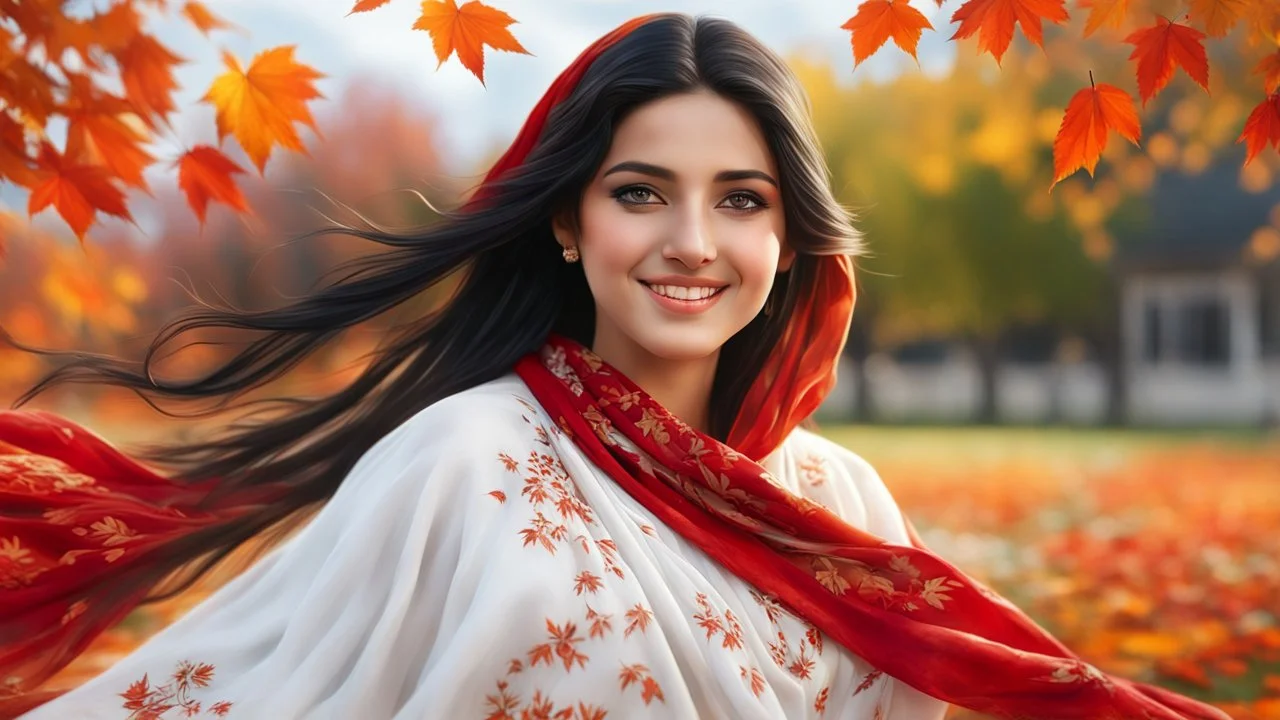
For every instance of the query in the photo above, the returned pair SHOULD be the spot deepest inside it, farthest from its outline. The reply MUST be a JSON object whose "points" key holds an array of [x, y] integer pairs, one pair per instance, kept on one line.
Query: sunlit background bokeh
{"points": [[1073, 394]]}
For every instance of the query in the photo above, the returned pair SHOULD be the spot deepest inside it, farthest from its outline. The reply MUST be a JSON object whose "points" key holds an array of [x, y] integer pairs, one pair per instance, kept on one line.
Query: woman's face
{"points": [[681, 230]]}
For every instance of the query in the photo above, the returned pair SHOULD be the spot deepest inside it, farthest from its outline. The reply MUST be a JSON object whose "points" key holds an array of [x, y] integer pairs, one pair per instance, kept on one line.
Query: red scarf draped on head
{"points": [[75, 513]]}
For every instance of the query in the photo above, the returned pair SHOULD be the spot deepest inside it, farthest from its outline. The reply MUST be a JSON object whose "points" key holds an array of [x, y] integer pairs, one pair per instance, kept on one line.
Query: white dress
{"points": [[475, 564]]}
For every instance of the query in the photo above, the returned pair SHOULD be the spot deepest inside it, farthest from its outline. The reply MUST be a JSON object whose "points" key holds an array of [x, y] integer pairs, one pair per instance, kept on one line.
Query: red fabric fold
{"points": [[901, 608]]}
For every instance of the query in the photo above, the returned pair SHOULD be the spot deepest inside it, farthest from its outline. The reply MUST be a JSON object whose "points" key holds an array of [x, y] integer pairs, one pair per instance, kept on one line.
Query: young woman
{"points": [[580, 490]]}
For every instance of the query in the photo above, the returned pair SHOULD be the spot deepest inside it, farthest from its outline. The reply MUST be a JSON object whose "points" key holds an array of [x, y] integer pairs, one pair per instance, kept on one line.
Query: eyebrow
{"points": [[666, 174]]}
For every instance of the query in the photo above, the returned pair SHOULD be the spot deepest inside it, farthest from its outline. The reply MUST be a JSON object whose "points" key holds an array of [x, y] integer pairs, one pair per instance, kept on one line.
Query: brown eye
{"points": [[737, 199], [627, 195]]}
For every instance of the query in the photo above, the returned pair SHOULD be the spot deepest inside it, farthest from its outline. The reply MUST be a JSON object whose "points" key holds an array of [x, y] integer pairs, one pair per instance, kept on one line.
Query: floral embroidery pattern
{"points": [[18, 566], [813, 469], [711, 621], [39, 474], [152, 703]]}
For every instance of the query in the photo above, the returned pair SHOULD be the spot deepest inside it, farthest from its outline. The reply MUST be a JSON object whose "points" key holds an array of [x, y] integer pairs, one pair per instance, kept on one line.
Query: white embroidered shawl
{"points": [[474, 564]]}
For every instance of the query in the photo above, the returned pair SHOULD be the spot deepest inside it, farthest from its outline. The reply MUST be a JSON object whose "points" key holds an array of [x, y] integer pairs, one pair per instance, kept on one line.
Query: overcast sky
{"points": [[472, 118]]}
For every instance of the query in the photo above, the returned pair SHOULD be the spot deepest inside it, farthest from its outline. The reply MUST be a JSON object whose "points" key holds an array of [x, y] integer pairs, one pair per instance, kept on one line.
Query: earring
{"points": [[768, 305], [571, 254]]}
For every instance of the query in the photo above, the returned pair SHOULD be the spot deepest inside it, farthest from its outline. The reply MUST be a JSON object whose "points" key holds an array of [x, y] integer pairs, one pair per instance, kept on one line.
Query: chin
{"points": [[686, 344]]}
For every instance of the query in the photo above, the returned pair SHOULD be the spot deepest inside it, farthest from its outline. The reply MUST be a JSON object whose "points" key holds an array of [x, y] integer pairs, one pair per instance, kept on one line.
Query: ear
{"points": [[786, 258], [565, 228]]}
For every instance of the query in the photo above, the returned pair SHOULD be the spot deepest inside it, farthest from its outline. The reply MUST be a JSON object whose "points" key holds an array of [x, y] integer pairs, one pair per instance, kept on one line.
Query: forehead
{"points": [[694, 133]]}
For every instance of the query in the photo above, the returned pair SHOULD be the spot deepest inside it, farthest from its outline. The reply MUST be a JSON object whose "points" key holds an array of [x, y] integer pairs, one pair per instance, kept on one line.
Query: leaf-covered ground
{"points": [[1154, 556]]}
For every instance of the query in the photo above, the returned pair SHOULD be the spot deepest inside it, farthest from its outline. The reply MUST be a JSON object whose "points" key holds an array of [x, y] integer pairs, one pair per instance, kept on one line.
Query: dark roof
{"points": [[1192, 221]]}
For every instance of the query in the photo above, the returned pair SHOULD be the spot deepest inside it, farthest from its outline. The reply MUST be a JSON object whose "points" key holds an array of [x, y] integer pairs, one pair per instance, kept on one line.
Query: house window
{"points": [[1269, 317], [1151, 332], [1204, 332]]}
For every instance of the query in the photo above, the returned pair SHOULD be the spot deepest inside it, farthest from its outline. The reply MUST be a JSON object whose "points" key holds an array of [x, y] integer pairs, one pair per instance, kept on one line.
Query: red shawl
{"points": [[901, 608]]}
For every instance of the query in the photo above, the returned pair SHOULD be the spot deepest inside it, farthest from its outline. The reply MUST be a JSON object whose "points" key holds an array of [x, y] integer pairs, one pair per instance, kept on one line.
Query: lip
{"points": [[684, 307], [685, 281]]}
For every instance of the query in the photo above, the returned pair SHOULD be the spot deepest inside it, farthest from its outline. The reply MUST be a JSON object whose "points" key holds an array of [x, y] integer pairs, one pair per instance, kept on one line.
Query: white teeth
{"points": [[684, 293]]}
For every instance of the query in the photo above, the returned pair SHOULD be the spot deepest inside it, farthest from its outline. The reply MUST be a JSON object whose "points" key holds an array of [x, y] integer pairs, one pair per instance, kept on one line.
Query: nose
{"points": [[691, 241]]}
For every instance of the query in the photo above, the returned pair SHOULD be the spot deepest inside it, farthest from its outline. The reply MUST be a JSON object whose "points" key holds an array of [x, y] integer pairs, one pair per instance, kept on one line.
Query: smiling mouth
{"points": [[683, 294]]}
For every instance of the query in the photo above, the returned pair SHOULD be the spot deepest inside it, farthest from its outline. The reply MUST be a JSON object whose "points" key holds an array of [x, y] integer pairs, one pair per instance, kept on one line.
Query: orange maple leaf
{"points": [[1083, 134], [367, 5], [107, 140], [1163, 47], [146, 71], [993, 21], [467, 30], [76, 191], [1263, 18], [204, 174], [202, 19], [1269, 69], [1262, 128], [14, 165], [879, 20], [1217, 16], [1104, 13], [259, 105]]}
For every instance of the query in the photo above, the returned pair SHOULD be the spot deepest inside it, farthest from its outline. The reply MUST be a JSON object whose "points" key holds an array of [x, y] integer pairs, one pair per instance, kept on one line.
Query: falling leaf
{"points": [[259, 105], [1217, 16], [1262, 128], [1160, 49], [1104, 13], [204, 20], [879, 20], [108, 140], [1263, 19], [1083, 134], [993, 20], [1269, 69], [204, 174], [467, 30], [77, 192], [146, 71], [367, 5]]}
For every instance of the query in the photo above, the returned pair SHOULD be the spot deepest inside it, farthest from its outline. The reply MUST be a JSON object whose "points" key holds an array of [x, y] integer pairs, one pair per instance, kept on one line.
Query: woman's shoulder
{"points": [[484, 413], [842, 479]]}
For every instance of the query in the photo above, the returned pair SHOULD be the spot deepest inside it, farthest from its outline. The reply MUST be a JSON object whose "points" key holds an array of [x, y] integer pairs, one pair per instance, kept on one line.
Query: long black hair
{"points": [[513, 288]]}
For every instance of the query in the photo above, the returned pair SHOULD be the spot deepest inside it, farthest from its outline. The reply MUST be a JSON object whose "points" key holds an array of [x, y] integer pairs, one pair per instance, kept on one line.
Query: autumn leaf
{"points": [[1104, 13], [107, 140], [1217, 16], [367, 5], [1269, 69], [146, 71], [1262, 128], [879, 20], [259, 105], [204, 174], [1082, 136], [202, 19], [1263, 19], [76, 191], [14, 164], [467, 30], [993, 20], [1161, 48]]}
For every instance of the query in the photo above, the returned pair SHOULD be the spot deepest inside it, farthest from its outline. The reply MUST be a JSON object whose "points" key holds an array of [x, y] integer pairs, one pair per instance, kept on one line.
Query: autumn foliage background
{"points": [[1153, 554]]}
